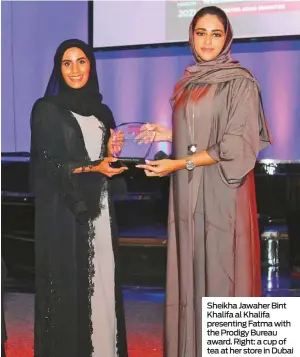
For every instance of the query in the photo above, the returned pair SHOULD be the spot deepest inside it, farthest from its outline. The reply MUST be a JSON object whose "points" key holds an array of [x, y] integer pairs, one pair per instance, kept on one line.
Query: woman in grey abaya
{"points": [[219, 128]]}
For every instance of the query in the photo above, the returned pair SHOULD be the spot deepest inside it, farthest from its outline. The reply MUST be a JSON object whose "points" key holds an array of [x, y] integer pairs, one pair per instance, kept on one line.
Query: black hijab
{"points": [[85, 101]]}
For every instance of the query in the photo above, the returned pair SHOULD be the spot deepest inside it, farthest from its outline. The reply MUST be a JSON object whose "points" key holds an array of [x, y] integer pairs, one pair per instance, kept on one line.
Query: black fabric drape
{"points": [[65, 203]]}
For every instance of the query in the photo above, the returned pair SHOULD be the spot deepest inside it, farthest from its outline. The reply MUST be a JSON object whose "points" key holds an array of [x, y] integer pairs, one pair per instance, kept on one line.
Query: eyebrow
{"points": [[78, 59], [203, 29]]}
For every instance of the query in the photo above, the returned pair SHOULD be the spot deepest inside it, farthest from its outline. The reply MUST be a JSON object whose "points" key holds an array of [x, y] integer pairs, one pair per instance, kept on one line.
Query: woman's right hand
{"points": [[105, 168], [154, 132]]}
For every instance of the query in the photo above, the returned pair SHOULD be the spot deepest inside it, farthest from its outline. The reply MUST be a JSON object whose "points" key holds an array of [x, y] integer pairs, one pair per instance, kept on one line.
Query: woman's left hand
{"points": [[115, 143], [160, 168]]}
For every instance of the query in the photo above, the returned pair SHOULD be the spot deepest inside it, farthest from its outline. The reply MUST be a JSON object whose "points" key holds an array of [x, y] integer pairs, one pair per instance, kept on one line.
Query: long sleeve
{"points": [[50, 157], [245, 134]]}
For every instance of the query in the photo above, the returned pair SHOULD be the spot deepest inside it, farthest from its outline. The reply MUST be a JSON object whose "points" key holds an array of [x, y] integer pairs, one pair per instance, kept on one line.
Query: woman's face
{"points": [[209, 37], [75, 68]]}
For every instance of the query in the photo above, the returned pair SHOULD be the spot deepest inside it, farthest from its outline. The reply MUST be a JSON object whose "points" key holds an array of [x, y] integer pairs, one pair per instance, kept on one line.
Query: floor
{"points": [[143, 319], [144, 315]]}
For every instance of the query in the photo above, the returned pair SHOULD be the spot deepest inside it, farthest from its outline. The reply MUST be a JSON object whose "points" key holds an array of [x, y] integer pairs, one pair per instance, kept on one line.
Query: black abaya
{"points": [[66, 203]]}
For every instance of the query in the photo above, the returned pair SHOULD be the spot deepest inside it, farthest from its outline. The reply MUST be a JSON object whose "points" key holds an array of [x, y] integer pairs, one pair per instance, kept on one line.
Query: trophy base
{"points": [[131, 163]]}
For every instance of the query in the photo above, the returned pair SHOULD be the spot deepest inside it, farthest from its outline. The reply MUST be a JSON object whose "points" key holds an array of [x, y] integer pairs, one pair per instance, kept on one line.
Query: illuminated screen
{"points": [[139, 22]]}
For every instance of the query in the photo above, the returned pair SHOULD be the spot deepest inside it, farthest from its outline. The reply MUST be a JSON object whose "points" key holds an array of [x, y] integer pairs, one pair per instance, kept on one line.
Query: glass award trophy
{"points": [[134, 147]]}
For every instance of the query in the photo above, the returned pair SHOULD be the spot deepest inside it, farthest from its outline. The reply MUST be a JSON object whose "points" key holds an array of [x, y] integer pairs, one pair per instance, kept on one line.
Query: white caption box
{"points": [[251, 326]]}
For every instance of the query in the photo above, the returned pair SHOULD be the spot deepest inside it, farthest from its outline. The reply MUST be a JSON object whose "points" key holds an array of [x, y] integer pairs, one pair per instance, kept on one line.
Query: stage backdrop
{"points": [[136, 84]]}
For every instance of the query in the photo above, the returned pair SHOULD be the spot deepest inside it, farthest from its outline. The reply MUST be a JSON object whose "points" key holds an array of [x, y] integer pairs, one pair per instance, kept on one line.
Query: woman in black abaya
{"points": [[78, 306]]}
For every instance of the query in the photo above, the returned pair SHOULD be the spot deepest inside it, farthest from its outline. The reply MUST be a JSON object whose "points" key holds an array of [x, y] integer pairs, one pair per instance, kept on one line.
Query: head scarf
{"points": [[85, 101], [221, 69]]}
